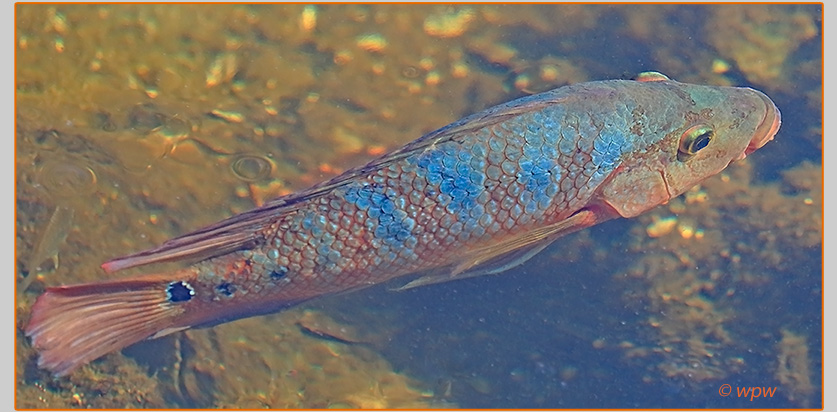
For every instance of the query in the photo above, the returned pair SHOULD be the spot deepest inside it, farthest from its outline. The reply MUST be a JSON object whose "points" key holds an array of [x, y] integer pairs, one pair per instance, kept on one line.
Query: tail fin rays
{"points": [[73, 325]]}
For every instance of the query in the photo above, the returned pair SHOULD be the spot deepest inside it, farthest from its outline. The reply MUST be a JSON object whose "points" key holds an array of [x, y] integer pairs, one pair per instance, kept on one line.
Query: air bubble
{"points": [[62, 179], [252, 168]]}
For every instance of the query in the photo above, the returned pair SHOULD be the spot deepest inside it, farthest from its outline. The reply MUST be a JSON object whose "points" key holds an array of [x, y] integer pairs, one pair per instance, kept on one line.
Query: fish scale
{"points": [[476, 197]]}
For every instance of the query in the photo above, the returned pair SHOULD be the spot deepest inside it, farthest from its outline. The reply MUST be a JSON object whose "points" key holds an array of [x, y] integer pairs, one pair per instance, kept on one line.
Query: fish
{"points": [[54, 235], [479, 196]]}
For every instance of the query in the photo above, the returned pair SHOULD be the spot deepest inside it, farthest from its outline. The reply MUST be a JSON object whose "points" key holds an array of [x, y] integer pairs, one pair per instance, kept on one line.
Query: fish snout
{"points": [[768, 127]]}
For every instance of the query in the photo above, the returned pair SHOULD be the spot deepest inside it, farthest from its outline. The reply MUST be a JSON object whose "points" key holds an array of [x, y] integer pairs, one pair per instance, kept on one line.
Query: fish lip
{"points": [[768, 127]]}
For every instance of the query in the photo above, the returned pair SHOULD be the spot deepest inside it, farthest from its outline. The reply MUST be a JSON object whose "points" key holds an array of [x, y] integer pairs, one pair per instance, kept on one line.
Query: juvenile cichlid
{"points": [[478, 196]]}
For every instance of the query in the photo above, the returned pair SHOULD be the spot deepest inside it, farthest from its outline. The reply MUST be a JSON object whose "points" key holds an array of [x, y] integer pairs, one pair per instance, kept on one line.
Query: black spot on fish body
{"points": [[179, 292], [279, 273], [226, 288]]}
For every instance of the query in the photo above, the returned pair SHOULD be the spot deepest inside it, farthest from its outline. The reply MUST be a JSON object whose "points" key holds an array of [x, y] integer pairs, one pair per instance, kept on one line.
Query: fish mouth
{"points": [[767, 128]]}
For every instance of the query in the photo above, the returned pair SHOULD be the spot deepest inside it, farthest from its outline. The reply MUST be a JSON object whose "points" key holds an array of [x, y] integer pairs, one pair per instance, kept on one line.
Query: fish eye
{"points": [[694, 139]]}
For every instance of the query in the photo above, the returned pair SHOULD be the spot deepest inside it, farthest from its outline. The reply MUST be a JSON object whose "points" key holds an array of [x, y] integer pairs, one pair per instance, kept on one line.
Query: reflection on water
{"points": [[136, 123]]}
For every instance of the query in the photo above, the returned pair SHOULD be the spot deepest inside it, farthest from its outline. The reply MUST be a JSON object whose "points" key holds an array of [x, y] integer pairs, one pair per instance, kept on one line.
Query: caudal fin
{"points": [[73, 325]]}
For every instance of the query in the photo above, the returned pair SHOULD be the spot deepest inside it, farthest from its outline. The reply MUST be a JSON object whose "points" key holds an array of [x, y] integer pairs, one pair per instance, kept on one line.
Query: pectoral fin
{"points": [[497, 258]]}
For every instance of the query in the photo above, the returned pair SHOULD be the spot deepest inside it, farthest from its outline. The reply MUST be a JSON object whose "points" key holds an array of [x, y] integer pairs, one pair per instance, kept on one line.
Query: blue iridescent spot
{"points": [[450, 167], [526, 165], [361, 202], [317, 231], [387, 206], [323, 250], [409, 224], [531, 151], [446, 186], [385, 217], [351, 196], [307, 223], [377, 198]]}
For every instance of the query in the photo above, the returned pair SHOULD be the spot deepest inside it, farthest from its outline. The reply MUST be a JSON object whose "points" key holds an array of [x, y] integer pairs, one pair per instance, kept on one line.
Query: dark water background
{"points": [[136, 123]]}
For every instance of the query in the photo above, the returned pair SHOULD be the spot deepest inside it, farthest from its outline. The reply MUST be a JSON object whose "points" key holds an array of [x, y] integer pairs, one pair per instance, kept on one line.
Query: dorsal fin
{"points": [[651, 77]]}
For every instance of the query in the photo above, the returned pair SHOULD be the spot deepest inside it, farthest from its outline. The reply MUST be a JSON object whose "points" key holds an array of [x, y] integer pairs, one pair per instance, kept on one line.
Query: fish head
{"points": [[689, 133]]}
